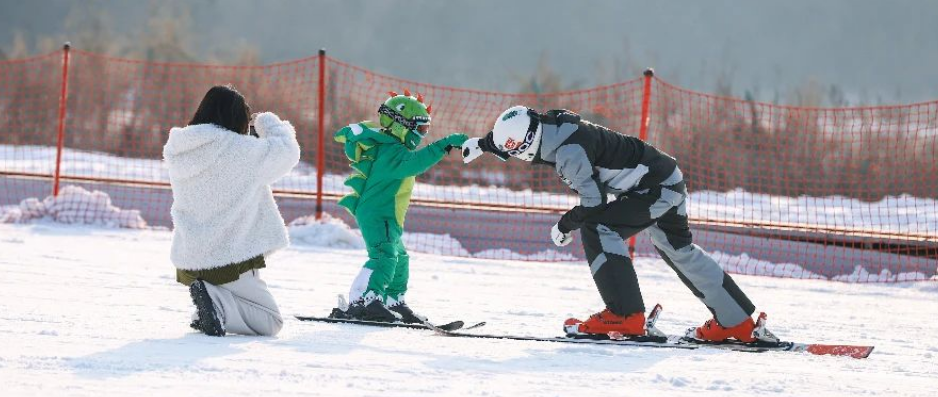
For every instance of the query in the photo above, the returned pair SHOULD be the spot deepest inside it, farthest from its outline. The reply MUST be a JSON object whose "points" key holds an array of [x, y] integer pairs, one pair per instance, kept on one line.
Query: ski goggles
{"points": [[423, 127], [421, 124], [529, 137]]}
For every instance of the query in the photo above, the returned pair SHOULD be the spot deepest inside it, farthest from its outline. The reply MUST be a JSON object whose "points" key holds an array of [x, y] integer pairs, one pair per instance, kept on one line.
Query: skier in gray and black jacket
{"points": [[650, 194]]}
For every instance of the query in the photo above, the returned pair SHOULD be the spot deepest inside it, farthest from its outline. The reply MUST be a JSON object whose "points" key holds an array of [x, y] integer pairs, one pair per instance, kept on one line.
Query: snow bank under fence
{"points": [[73, 205], [862, 275], [332, 232], [744, 264], [896, 214], [327, 232]]}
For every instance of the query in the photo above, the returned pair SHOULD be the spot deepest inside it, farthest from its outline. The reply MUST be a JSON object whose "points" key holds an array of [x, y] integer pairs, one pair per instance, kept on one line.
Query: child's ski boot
{"points": [[407, 314], [366, 308]]}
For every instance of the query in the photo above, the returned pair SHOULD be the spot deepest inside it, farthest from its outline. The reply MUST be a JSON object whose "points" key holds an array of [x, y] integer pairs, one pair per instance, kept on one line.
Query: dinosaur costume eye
{"points": [[400, 107]]}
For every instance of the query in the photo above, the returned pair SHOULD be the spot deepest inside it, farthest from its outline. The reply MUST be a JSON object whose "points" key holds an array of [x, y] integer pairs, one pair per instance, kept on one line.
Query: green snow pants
{"points": [[387, 270]]}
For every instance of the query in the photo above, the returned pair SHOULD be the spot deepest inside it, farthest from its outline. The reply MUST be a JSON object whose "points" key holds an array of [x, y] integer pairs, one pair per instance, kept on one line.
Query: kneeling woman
{"points": [[225, 220]]}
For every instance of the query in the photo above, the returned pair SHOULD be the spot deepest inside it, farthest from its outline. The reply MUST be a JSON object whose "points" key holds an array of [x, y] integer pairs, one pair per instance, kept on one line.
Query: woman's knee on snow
{"points": [[270, 326]]}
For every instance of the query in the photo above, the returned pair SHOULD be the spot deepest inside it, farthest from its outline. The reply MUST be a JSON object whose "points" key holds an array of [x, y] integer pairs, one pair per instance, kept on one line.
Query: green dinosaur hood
{"points": [[403, 116]]}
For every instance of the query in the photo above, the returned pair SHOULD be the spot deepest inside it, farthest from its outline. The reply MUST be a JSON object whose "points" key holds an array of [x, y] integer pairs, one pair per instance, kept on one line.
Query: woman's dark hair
{"points": [[225, 107]]}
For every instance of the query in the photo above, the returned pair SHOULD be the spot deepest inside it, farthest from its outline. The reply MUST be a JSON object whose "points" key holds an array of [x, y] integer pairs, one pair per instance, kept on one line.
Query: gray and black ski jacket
{"points": [[596, 161]]}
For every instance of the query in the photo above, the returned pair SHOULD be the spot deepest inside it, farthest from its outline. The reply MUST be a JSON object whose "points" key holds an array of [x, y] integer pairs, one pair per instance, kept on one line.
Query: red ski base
{"points": [[840, 350], [812, 348]]}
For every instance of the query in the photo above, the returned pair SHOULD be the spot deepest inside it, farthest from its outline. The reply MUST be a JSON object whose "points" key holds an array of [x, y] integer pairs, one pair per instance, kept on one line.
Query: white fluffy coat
{"points": [[223, 208]]}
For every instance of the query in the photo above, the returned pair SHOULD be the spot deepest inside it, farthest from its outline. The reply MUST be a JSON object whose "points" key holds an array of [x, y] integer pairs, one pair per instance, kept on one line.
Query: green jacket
{"points": [[385, 170]]}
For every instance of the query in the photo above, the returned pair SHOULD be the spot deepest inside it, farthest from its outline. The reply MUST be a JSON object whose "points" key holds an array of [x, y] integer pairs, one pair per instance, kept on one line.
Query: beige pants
{"points": [[246, 306]]}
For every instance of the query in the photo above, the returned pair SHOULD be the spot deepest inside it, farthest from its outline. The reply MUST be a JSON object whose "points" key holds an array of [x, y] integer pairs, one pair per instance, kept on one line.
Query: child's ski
{"points": [[451, 326]]}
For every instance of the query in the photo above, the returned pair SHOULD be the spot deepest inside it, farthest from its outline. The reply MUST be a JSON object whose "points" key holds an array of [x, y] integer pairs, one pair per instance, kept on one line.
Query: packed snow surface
{"points": [[89, 311]]}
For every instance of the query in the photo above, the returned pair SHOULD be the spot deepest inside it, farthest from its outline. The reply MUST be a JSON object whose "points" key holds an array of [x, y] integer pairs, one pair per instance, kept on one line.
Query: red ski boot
{"points": [[605, 322], [712, 331]]}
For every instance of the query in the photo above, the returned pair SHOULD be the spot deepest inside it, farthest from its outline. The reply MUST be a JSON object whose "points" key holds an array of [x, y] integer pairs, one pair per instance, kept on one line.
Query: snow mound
{"points": [[744, 264], [328, 232], [861, 274], [73, 205], [542, 256], [437, 244], [332, 232]]}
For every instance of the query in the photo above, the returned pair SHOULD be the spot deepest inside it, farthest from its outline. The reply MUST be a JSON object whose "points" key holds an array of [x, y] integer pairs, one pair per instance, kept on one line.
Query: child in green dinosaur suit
{"points": [[386, 162]]}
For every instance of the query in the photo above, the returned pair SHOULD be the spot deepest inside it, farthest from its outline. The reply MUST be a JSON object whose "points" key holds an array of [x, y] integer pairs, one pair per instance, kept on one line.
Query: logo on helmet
{"points": [[511, 144], [510, 114]]}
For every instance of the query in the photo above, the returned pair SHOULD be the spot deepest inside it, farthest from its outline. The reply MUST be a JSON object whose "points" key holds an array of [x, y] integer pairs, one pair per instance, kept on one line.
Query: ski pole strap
{"points": [[387, 111]]}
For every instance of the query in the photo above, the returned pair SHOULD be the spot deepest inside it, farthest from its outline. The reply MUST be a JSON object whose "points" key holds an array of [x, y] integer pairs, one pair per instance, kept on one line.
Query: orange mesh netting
{"points": [[845, 194]]}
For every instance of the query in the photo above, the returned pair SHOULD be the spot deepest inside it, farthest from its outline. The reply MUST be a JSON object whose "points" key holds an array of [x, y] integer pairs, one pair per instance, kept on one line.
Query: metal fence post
{"points": [[63, 105], [320, 148], [643, 128]]}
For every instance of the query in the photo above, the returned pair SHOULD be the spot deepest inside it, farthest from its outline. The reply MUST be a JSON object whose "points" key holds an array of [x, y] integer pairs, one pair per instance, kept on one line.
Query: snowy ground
{"points": [[92, 312]]}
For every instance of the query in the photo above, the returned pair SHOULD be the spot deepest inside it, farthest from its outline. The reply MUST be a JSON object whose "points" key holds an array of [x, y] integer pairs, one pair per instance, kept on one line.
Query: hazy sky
{"points": [[885, 49]]}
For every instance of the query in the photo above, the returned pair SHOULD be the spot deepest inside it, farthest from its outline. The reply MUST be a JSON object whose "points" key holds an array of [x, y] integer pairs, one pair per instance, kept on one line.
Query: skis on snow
{"points": [[657, 339], [654, 338]]}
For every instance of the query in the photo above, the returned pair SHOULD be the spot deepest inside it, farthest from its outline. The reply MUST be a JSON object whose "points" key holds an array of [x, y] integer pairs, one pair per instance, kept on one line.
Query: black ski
{"points": [[768, 342], [644, 341], [656, 338], [781, 346], [676, 342], [451, 326]]}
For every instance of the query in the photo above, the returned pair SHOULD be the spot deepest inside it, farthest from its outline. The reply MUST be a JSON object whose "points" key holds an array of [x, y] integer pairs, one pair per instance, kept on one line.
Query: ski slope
{"points": [[91, 311]]}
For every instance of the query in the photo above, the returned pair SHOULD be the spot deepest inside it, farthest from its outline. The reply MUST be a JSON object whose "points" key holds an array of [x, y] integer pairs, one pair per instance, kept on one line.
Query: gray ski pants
{"points": [[662, 211], [246, 306]]}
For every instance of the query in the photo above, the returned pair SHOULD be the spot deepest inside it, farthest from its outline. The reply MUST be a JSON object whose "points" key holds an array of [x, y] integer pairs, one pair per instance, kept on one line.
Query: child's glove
{"points": [[453, 140]]}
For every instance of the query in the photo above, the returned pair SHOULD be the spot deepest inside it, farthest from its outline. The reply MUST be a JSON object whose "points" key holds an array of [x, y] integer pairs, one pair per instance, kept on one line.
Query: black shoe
{"points": [[195, 325], [209, 322], [373, 311], [407, 315], [339, 313]]}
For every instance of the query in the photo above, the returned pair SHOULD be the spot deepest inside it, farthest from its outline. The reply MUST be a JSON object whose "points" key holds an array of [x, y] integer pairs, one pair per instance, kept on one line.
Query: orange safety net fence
{"points": [[842, 194]]}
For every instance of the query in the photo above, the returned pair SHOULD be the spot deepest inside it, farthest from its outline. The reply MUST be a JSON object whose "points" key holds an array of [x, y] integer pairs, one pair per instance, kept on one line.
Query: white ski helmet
{"points": [[517, 133]]}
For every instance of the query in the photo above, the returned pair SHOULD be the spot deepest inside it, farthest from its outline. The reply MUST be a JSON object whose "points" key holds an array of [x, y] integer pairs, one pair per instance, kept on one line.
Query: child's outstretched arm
{"points": [[403, 163]]}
